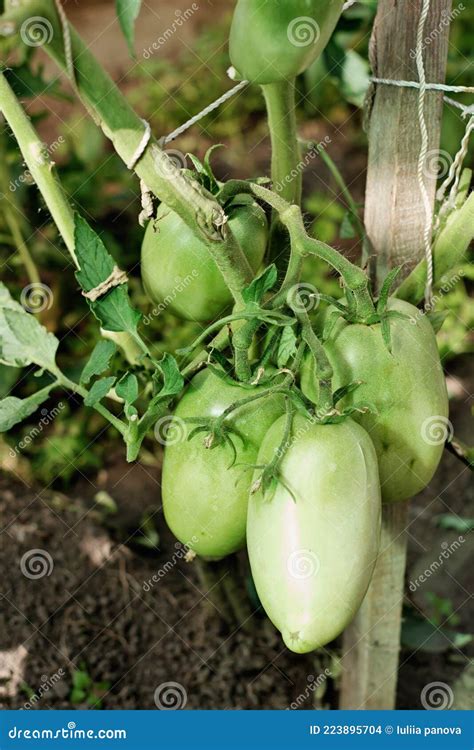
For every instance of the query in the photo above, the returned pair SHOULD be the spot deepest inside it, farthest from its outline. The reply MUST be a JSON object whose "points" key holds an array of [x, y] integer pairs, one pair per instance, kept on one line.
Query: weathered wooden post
{"points": [[395, 219]]}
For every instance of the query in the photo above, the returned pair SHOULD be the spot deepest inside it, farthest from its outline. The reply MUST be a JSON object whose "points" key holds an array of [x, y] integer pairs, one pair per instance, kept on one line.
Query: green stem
{"points": [[241, 343], [323, 368], [125, 129], [38, 163], [286, 160], [102, 410]]}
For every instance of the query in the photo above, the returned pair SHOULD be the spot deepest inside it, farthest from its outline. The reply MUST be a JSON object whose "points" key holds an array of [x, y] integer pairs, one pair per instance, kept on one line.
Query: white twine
{"points": [[454, 175], [427, 86], [141, 148], [423, 153], [210, 108]]}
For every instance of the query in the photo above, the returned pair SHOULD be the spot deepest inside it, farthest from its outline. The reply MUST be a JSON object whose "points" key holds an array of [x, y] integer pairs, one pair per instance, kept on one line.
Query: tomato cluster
{"points": [[302, 488]]}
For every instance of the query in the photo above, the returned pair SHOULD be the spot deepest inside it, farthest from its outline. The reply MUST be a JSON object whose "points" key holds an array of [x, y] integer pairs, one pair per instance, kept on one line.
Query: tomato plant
{"points": [[278, 429]]}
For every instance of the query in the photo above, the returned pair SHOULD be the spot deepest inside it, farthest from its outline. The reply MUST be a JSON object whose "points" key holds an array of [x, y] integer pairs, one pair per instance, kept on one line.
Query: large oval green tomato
{"points": [[276, 40], [313, 545], [408, 389], [178, 271], [205, 501]]}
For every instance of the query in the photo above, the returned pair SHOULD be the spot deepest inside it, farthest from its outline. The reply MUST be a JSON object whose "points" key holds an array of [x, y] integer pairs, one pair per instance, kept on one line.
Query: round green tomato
{"points": [[275, 41], [205, 498], [178, 271], [313, 544], [406, 386]]}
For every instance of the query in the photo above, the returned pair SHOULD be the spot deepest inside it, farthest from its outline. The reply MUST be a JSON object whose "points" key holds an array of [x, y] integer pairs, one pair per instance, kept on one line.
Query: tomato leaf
{"points": [[260, 285], [114, 310], [99, 360], [173, 381], [127, 12], [346, 231], [287, 346], [24, 341], [14, 410], [99, 390], [127, 388], [386, 287]]}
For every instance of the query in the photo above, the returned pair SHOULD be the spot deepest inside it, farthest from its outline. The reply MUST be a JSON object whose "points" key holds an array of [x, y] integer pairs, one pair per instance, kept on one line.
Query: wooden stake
{"points": [[395, 221]]}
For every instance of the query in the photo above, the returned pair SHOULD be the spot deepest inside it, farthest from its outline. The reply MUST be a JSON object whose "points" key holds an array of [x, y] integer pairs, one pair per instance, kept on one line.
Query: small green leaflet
{"points": [[99, 360], [14, 410], [347, 231], [262, 284], [113, 310], [287, 346], [127, 12], [24, 341], [99, 390], [173, 381], [127, 388]]}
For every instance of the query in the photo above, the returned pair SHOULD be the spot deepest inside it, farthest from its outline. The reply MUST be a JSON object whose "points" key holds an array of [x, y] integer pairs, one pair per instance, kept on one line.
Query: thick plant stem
{"points": [[286, 156], [286, 160], [39, 164], [126, 130]]}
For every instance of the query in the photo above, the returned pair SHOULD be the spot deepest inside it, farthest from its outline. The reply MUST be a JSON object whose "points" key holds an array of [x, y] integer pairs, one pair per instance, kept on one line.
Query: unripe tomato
{"points": [[277, 40], [313, 544], [178, 271], [205, 498], [408, 389]]}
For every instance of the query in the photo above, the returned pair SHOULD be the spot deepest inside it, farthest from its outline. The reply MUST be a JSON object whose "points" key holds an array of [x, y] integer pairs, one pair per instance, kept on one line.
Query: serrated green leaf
{"points": [[24, 341], [99, 390], [287, 346], [127, 388], [14, 410], [127, 12], [173, 381], [113, 310], [99, 360], [261, 285]]}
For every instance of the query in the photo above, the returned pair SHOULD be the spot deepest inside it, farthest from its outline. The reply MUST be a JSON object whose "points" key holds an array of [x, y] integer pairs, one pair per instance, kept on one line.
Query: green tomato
{"points": [[277, 40], [313, 544], [178, 271], [205, 498], [406, 386]]}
